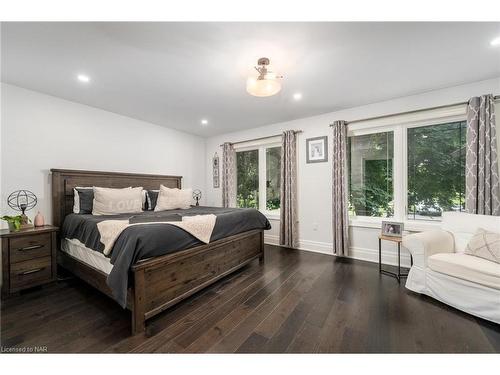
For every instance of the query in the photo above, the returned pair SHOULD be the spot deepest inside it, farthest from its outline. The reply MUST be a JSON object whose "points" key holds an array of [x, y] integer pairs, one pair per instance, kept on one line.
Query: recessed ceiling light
{"points": [[495, 42], [297, 96], [83, 78], [204, 122]]}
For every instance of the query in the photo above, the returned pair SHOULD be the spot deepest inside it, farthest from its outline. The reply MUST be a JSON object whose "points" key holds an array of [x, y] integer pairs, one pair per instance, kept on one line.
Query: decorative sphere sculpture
{"points": [[197, 196], [22, 200]]}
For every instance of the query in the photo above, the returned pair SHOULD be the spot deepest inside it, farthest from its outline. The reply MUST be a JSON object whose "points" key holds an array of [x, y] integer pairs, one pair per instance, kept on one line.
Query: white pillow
{"points": [[108, 201], [485, 244], [172, 199]]}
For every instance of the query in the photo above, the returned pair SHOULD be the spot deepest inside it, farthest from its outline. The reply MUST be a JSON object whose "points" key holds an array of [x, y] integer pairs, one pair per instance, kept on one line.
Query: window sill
{"points": [[411, 226], [272, 216]]}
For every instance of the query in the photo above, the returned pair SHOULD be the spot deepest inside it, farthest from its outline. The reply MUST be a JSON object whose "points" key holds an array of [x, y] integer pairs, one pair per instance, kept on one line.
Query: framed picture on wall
{"points": [[215, 171], [317, 150]]}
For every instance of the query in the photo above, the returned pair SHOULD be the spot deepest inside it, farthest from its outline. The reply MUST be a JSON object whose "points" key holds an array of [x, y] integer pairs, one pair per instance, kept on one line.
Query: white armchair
{"points": [[442, 270], [424, 244]]}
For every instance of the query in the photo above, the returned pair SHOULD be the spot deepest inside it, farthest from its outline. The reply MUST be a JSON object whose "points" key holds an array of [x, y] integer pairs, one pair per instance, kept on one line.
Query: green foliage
{"points": [[375, 198], [436, 172], [372, 194], [273, 204], [16, 221], [247, 178], [436, 168], [273, 183]]}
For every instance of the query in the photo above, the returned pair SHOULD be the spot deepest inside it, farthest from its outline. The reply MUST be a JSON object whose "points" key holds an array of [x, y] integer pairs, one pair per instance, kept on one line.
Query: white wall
{"points": [[40, 132], [314, 182]]}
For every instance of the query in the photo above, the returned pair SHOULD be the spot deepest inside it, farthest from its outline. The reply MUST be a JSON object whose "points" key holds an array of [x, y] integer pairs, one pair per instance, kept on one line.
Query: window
{"points": [[258, 178], [370, 174], [247, 179], [410, 171], [273, 178], [436, 170]]}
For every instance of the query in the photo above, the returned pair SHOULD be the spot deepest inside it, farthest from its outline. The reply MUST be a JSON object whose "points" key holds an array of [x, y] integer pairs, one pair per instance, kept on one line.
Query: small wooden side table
{"points": [[397, 240]]}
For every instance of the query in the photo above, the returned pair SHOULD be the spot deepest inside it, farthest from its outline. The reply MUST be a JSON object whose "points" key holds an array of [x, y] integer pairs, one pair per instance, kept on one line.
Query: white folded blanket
{"points": [[200, 226]]}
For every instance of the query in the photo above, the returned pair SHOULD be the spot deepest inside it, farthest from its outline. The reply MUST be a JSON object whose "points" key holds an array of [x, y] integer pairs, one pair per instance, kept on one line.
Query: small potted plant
{"points": [[14, 222]]}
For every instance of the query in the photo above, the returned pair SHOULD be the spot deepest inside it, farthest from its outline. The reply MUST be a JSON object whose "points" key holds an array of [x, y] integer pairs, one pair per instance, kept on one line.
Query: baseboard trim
{"points": [[371, 255], [360, 253], [271, 239], [316, 247]]}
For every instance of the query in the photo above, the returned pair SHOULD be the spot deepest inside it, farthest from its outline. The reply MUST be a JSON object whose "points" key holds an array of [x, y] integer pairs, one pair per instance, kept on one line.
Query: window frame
{"points": [[400, 124], [262, 146]]}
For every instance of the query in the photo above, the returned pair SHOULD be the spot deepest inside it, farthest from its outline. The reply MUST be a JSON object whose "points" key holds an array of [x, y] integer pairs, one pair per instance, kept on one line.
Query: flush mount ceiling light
{"points": [[297, 96], [204, 122], [495, 42], [266, 83]]}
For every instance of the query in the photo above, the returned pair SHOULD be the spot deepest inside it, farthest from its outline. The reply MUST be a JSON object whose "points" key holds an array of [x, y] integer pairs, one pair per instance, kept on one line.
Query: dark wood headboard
{"points": [[64, 180]]}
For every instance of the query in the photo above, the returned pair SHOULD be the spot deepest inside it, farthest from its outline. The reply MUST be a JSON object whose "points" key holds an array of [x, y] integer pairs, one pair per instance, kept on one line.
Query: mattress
{"points": [[88, 256]]}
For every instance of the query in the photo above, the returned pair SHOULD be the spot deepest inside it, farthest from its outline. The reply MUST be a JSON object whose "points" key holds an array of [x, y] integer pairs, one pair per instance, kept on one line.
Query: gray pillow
{"points": [[485, 244], [151, 198], [83, 200]]}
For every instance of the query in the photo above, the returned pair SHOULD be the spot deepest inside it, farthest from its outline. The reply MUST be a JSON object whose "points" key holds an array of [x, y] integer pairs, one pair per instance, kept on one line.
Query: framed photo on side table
{"points": [[392, 228]]}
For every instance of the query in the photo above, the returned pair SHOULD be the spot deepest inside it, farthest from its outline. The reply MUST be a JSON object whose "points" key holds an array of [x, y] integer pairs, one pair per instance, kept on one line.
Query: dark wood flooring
{"points": [[297, 302]]}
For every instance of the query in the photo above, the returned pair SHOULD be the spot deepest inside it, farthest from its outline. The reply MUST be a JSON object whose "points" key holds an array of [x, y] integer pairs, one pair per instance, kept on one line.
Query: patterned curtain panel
{"points": [[339, 189], [482, 186], [228, 175], [288, 190]]}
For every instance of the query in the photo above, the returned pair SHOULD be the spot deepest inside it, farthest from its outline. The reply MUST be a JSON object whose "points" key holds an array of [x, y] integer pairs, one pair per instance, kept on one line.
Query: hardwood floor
{"points": [[297, 302]]}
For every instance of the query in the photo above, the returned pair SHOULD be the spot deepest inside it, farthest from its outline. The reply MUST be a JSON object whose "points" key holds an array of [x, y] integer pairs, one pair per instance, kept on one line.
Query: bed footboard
{"points": [[164, 281]]}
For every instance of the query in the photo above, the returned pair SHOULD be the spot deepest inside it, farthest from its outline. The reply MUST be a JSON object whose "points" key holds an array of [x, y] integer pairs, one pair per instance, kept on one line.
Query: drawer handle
{"points": [[31, 271], [28, 248]]}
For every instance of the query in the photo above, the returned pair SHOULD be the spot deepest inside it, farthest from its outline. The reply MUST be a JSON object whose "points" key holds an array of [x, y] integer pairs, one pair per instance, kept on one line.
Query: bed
{"points": [[153, 282]]}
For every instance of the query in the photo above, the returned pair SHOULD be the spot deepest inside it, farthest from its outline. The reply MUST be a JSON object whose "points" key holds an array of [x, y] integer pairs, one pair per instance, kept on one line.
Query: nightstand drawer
{"points": [[29, 247], [30, 273]]}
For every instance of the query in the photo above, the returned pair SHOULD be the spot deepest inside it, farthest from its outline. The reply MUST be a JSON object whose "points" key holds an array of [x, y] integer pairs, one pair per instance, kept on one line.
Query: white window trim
{"points": [[400, 125], [261, 146]]}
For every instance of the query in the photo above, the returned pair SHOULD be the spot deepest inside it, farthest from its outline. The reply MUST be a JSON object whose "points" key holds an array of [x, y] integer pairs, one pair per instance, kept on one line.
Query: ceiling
{"points": [[175, 74]]}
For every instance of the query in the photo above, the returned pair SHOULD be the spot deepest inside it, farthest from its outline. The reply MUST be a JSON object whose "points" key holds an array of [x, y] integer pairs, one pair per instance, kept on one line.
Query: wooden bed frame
{"points": [[160, 282]]}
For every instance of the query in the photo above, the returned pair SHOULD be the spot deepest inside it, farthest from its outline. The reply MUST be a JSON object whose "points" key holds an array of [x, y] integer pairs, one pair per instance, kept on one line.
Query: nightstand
{"points": [[28, 258]]}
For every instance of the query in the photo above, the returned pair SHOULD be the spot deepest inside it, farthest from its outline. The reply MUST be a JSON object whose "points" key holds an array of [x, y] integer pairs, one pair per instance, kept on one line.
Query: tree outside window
{"points": [[258, 178], [436, 170], [273, 178], [370, 174], [247, 179]]}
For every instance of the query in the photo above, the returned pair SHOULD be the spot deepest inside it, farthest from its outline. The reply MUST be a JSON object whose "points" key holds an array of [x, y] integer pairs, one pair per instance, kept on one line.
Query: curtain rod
{"points": [[410, 112], [260, 138]]}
